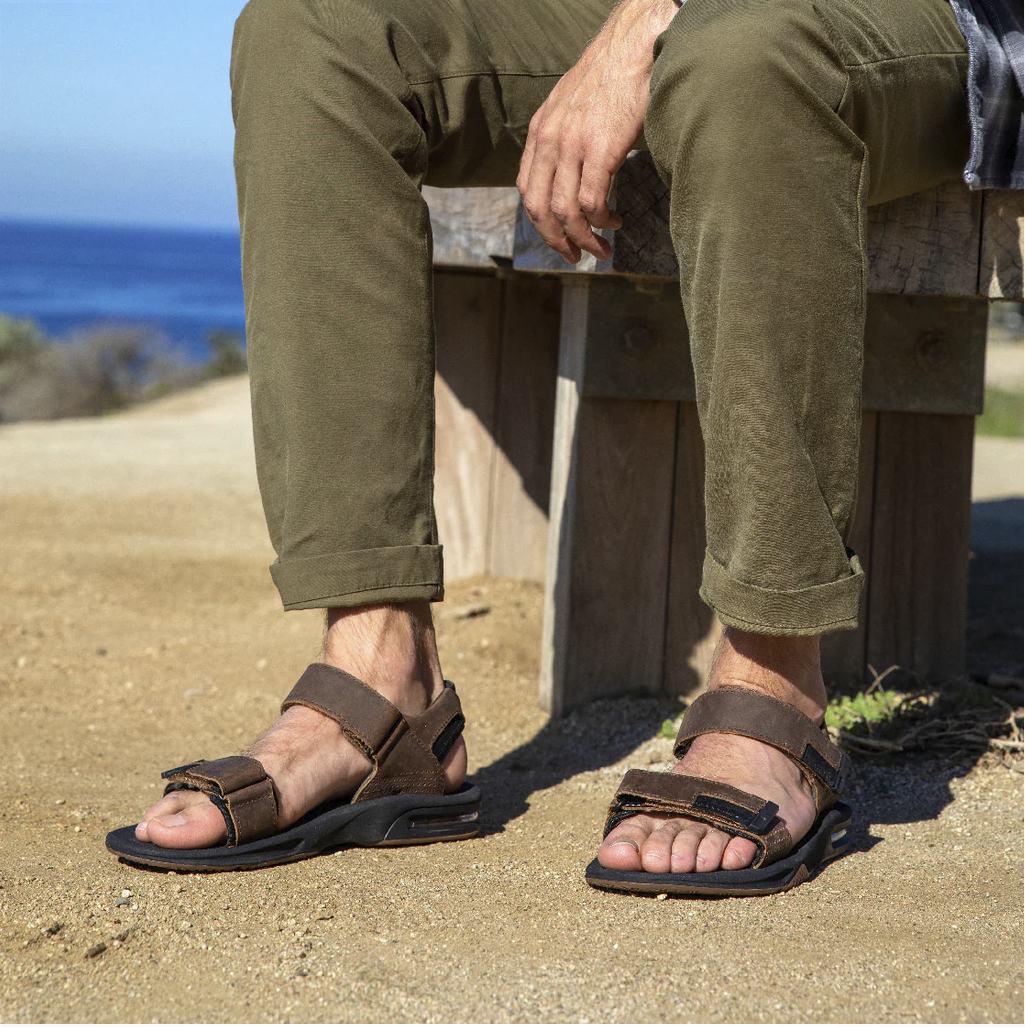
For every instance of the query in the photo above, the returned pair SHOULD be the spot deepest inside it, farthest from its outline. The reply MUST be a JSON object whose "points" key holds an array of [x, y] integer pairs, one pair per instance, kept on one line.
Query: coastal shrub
{"points": [[98, 371], [228, 354], [21, 343]]}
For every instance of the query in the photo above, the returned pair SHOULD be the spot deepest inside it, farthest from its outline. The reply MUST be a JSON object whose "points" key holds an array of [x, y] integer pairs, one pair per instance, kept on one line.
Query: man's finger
{"points": [[566, 207], [537, 197], [527, 159], [595, 183]]}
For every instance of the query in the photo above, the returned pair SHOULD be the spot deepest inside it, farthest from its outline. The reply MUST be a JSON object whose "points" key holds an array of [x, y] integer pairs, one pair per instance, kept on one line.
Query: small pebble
{"points": [[101, 652], [96, 950], [123, 902], [661, 896], [54, 928], [60, 802], [126, 894]]}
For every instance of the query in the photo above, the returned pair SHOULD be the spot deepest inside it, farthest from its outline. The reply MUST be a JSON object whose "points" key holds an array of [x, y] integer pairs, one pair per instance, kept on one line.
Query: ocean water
{"points": [[70, 278]]}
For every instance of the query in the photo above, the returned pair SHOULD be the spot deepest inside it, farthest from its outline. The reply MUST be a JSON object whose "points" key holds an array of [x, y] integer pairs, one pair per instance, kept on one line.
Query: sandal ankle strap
{"points": [[406, 753], [744, 711]]}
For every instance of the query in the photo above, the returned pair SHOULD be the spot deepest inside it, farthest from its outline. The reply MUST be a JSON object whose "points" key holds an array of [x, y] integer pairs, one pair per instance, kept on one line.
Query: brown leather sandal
{"points": [[402, 801], [778, 865]]}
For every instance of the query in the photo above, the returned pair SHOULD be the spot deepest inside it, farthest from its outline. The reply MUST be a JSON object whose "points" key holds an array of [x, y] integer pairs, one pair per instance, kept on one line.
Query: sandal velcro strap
{"points": [[366, 718], [406, 753], [239, 787], [744, 711], [442, 722], [711, 802]]}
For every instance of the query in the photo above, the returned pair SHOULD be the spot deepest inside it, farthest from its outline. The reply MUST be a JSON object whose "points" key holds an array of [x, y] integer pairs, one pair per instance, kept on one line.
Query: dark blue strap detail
{"points": [[756, 822], [448, 737], [815, 762]]}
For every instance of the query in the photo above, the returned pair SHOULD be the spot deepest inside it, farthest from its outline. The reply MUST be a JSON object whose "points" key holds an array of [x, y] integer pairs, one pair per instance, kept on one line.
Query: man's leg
{"points": [[343, 109], [775, 125]]}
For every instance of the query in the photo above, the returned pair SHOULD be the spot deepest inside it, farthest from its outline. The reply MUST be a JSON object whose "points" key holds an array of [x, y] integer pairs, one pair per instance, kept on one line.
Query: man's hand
{"points": [[582, 133]]}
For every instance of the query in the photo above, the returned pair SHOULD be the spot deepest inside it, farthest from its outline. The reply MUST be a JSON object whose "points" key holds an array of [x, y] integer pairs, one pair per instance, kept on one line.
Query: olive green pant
{"points": [[775, 122]]}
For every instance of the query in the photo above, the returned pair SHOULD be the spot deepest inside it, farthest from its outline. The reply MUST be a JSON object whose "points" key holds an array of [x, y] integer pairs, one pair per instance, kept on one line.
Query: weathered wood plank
{"points": [[920, 543], [611, 503], [524, 425], [692, 629], [927, 243], [843, 652], [468, 326], [643, 245], [638, 346], [562, 504], [1000, 267], [922, 353], [472, 225], [620, 557]]}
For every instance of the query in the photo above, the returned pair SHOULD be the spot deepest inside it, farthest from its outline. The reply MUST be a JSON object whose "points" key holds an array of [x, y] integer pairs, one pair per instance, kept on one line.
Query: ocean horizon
{"points": [[179, 283]]}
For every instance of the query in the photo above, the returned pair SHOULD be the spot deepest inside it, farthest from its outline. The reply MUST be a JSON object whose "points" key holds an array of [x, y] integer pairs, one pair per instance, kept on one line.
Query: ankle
{"points": [[788, 668], [390, 647]]}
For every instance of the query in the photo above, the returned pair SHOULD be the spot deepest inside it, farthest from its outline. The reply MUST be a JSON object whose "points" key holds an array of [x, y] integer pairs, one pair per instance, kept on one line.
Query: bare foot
{"points": [[390, 648], [787, 669]]}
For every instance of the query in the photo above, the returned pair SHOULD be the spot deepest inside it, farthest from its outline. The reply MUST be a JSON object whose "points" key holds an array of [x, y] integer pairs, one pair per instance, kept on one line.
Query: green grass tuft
{"points": [[864, 709]]}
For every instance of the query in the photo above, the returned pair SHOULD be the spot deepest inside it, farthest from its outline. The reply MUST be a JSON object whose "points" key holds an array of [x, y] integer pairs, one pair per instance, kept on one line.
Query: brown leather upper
{"points": [[712, 802], [738, 711], [239, 787], [406, 753], [401, 749], [743, 711]]}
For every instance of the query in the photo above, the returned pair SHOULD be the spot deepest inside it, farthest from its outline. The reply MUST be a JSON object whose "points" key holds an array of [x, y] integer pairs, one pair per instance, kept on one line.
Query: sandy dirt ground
{"points": [[139, 629]]}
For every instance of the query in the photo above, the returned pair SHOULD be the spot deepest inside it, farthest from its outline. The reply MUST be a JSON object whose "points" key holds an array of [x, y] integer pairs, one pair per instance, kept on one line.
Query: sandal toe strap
{"points": [[744, 711], [239, 787], [711, 802]]}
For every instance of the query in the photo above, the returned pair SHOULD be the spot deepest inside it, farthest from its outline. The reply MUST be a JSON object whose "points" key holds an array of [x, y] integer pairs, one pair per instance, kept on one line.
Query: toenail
{"points": [[142, 825], [627, 841], [172, 820]]}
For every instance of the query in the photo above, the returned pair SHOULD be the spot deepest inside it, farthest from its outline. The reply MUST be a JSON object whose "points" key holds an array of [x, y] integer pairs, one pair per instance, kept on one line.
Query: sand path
{"points": [[140, 630]]}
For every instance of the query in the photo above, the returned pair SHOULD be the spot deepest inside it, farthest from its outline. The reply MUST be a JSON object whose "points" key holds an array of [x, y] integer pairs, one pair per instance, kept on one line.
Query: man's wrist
{"points": [[655, 12]]}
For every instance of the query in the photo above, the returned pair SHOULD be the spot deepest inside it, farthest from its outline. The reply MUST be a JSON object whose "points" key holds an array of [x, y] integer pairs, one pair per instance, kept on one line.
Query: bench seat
{"points": [[605, 345]]}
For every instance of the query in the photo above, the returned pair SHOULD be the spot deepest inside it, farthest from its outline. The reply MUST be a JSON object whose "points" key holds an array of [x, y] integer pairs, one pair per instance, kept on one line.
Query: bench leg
{"points": [[921, 528], [610, 513]]}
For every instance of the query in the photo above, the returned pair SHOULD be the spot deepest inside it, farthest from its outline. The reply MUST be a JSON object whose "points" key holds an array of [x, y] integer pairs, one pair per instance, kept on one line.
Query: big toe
{"points": [[621, 850], [197, 825]]}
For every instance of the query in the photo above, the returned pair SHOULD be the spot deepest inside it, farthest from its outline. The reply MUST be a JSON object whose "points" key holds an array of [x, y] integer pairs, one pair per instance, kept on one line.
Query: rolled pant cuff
{"points": [[361, 577], [814, 610]]}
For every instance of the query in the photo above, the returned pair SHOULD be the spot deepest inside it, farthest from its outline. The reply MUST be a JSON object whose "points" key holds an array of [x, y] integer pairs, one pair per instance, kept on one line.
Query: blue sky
{"points": [[117, 111]]}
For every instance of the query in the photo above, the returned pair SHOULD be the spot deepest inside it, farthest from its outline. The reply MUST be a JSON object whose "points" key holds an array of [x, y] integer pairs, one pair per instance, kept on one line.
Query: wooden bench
{"points": [[624, 517]]}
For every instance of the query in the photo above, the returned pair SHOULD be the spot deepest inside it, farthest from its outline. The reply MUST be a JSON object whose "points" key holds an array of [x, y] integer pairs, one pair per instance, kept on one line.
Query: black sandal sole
{"points": [[827, 839], [389, 821]]}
